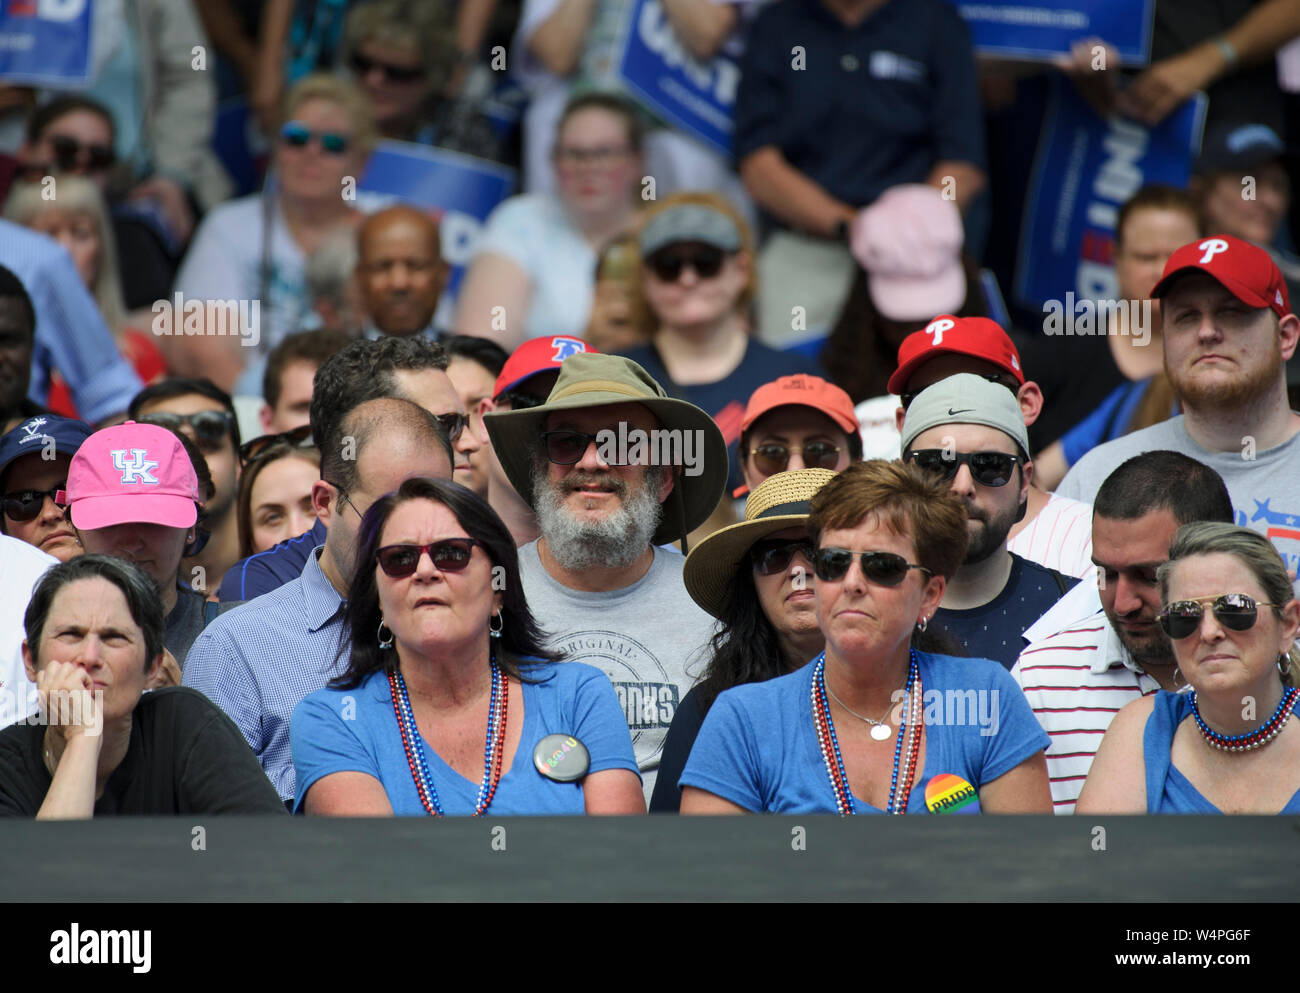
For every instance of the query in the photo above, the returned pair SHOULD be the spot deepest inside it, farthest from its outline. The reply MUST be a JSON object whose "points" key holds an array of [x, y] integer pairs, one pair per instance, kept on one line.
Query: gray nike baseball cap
{"points": [[966, 399]]}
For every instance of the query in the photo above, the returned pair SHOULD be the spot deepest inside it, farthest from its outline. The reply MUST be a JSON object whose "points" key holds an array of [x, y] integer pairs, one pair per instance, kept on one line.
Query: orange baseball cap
{"points": [[802, 390]]}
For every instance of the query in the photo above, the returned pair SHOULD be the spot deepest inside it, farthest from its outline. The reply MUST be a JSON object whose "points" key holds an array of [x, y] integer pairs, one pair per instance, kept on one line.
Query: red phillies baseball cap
{"points": [[544, 354], [802, 390], [975, 336], [1244, 270], [132, 474]]}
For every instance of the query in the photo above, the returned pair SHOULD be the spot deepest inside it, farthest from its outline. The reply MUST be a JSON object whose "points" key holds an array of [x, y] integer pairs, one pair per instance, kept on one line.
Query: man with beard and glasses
{"points": [[1078, 679], [596, 580], [973, 433], [1228, 331]]}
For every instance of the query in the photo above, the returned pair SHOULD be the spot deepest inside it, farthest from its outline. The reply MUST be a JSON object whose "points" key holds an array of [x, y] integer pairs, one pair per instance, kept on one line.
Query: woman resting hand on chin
{"points": [[450, 704], [872, 725]]}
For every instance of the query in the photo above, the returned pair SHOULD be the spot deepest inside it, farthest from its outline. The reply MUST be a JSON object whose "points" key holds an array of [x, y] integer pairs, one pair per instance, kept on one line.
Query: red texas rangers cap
{"points": [[543, 354], [1244, 270], [975, 336]]}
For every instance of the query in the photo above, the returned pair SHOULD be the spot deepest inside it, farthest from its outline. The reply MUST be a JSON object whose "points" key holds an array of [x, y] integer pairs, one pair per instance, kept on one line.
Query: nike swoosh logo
{"points": [[968, 410]]}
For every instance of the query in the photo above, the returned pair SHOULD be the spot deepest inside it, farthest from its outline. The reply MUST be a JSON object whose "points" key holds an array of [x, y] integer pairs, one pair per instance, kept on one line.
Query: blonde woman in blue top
{"points": [[1229, 745]]}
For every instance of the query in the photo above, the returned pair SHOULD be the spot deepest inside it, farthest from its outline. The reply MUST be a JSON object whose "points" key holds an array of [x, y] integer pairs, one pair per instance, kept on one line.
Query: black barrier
{"points": [[1173, 859]]}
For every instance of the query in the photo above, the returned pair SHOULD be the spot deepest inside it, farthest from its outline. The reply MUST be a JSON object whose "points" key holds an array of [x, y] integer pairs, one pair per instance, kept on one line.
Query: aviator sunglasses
{"points": [[771, 458], [986, 468], [448, 555], [1235, 611], [24, 505], [211, 427], [667, 265], [774, 556], [880, 568], [295, 134]]}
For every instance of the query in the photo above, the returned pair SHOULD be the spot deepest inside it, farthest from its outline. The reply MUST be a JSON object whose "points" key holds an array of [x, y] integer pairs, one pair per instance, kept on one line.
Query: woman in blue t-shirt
{"points": [[872, 725], [450, 704], [1230, 745]]}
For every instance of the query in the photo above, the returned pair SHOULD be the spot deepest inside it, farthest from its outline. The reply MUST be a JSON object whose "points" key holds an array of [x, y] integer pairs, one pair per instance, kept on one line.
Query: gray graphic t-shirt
{"points": [[649, 638]]}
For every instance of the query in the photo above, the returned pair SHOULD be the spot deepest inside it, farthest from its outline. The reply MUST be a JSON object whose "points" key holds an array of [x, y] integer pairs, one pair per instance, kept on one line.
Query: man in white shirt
{"points": [[22, 567], [1078, 679]]}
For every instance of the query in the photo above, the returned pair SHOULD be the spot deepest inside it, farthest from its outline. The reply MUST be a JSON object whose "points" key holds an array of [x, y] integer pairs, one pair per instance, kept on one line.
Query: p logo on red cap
{"points": [[937, 328], [565, 346], [1212, 247]]}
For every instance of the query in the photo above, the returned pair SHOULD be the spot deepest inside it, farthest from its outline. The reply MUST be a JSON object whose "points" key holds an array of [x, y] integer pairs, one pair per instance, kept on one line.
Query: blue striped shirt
{"points": [[271, 569], [71, 336], [260, 659]]}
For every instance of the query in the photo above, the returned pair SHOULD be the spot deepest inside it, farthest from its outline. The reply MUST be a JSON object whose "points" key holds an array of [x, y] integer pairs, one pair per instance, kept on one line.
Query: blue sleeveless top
{"points": [[1168, 790]]}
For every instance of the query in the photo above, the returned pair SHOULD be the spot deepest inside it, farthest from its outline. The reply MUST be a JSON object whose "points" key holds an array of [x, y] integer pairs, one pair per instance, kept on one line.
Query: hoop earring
{"points": [[1283, 664], [922, 624], [384, 643], [495, 632]]}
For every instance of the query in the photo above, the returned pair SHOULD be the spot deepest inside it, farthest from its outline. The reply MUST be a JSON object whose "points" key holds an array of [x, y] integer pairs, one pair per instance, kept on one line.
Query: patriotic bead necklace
{"points": [[1251, 740], [493, 748], [830, 745]]}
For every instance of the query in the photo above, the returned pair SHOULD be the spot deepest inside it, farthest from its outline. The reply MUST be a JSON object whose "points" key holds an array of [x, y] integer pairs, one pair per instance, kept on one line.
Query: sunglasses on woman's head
{"points": [[448, 555], [299, 437], [986, 468], [880, 568], [295, 134], [773, 457], [211, 427], [775, 555], [362, 66], [905, 399], [24, 505], [1235, 611], [667, 264]]}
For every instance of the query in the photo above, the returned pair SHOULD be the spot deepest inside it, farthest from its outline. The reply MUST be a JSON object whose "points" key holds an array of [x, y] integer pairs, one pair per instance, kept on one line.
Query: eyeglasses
{"points": [[1234, 611], [986, 468], [363, 66], [772, 458], [295, 134], [519, 401], [25, 505], [453, 423], [448, 555], [69, 153], [905, 399], [667, 264], [299, 437], [771, 557], [881, 568], [601, 155], [568, 447], [210, 427]]}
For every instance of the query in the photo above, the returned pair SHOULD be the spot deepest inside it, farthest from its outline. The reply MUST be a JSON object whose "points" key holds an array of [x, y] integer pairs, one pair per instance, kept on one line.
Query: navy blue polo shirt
{"points": [[873, 106], [271, 569]]}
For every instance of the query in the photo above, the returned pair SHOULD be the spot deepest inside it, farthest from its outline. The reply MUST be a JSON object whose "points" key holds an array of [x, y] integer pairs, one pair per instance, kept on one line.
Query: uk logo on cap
{"points": [[138, 470]]}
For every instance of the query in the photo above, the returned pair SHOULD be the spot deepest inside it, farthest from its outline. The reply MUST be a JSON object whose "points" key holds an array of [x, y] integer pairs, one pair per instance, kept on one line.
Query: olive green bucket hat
{"points": [[590, 380]]}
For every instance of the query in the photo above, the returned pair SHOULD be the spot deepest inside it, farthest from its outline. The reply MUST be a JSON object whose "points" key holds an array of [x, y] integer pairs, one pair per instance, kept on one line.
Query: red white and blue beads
{"points": [[1251, 740], [829, 744], [413, 744]]}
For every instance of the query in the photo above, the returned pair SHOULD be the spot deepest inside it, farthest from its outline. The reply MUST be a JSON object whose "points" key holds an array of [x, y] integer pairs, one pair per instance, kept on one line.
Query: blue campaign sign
{"points": [[1084, 171], [697, 97], [1043, 29], [45, 42], [459, 190]]}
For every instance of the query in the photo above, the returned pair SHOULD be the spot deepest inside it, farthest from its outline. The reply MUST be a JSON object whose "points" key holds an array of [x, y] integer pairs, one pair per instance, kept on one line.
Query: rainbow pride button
{"points": [[949, 794]]}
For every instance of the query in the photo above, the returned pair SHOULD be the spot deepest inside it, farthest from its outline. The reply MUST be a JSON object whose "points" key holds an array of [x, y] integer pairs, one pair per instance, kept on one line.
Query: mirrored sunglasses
{"points": [[880, 568], [1235, 611]]}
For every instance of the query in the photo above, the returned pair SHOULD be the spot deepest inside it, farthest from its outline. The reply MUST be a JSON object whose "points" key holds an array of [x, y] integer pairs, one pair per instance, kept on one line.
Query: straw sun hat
{"points": [[778, 502]]}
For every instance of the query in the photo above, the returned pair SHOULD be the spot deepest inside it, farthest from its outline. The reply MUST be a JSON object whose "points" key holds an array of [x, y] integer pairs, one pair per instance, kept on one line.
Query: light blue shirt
{"points": [[71, 336], [259, 660], [355, 730]]}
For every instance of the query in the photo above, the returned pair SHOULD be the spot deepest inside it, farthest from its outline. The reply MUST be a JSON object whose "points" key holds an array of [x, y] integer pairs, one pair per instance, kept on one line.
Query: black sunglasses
{"points": [[771, 458], [905, 399], [667, 264], [25, 505], [775, 555], [299, 437], [68, 154], [363, 66], [567, 447], [881, 568], [986, 468], [295, 134], [448, 555], [210, 427], [1234, 611], [519, 401], [453, 423]]}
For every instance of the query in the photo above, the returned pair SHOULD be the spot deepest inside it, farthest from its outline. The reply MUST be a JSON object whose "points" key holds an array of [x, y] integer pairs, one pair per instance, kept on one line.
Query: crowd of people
{"points": [[706, 485]]}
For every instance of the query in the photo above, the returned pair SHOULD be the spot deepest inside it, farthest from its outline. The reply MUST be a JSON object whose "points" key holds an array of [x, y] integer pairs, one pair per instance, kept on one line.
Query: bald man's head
{"points": [[400, 271]]}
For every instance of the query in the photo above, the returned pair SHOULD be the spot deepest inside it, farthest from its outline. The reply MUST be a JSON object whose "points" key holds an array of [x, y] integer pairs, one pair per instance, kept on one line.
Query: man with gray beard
{"points": [[590, 463]]}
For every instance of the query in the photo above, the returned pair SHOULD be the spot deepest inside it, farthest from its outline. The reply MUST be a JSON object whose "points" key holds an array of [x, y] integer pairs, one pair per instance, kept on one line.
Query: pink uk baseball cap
{"points": [[132, 474]]}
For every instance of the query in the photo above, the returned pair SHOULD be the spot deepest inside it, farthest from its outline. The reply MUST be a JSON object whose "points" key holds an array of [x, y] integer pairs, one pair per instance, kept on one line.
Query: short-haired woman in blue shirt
{"points": [[872, 725], [1230, 746], [450, 704]]}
